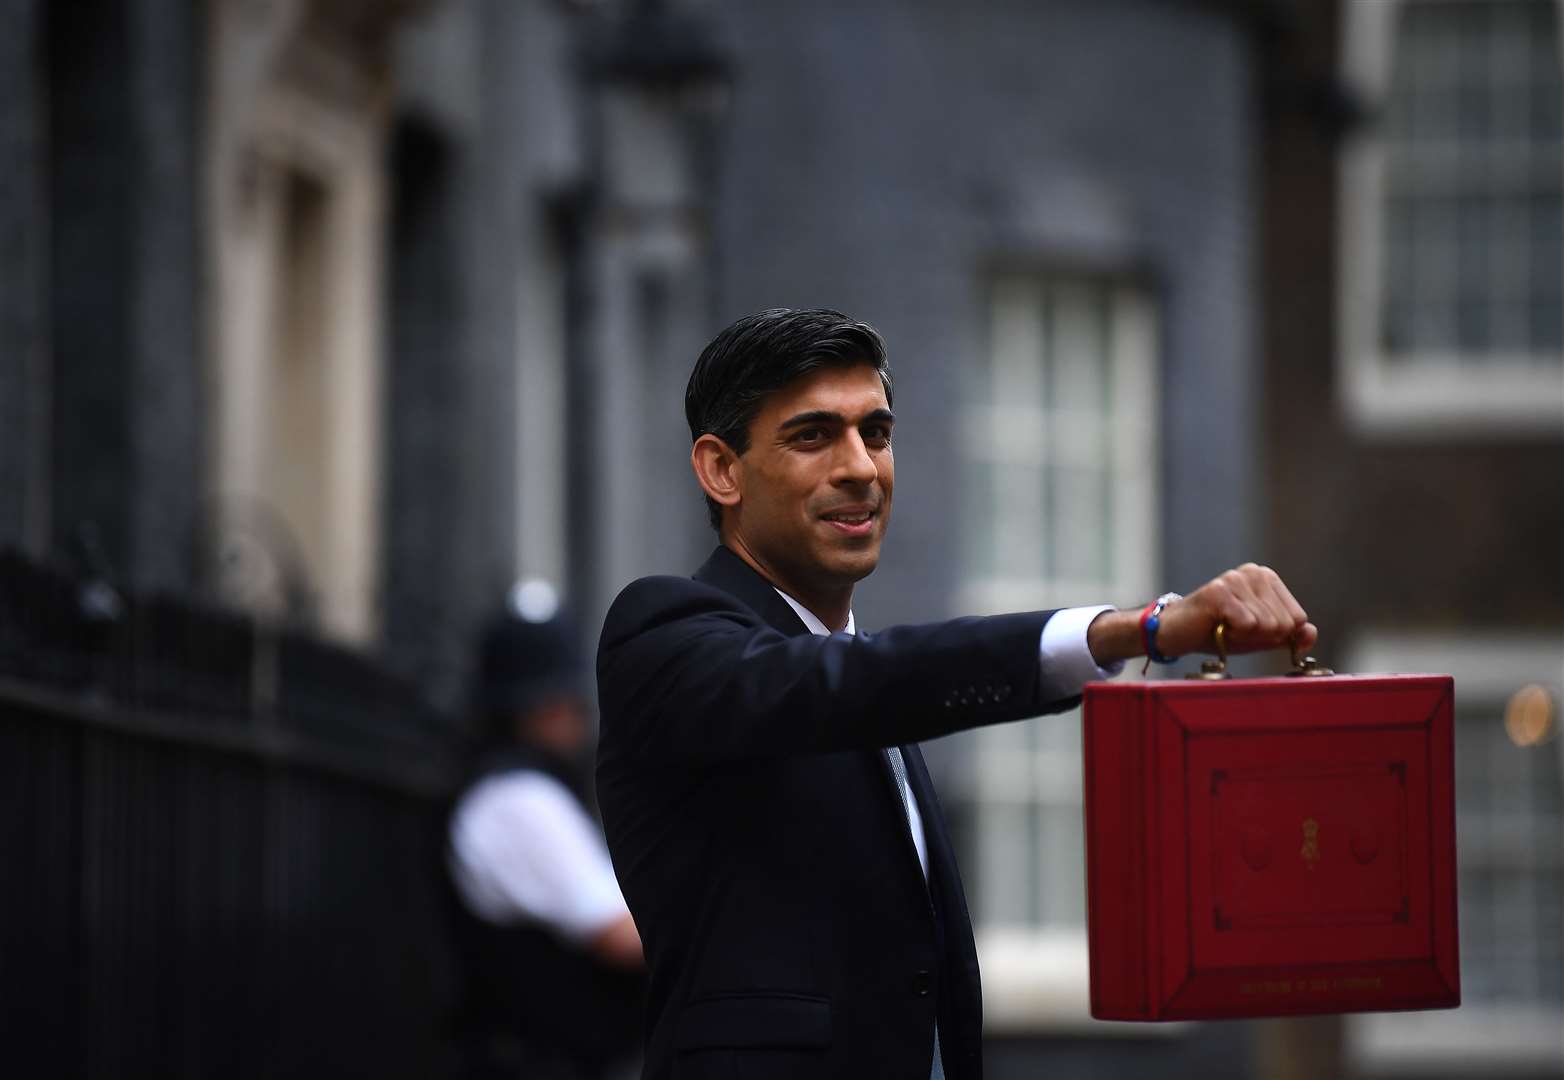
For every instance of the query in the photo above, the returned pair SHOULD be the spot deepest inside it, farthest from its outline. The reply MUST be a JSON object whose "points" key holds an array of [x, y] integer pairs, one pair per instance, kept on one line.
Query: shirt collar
{"points": [[814, 624]]}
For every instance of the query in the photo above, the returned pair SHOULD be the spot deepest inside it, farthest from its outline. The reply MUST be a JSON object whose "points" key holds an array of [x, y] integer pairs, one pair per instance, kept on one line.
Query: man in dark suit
{"points": [[771, 823]]}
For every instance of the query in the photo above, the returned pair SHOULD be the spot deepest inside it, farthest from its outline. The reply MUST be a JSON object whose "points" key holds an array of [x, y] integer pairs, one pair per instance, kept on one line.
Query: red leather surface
{"points": [[1270, 847]]}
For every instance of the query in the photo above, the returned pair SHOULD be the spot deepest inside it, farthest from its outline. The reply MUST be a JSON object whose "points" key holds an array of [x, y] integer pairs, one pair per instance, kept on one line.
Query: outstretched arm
{"points": [[687, 674], [1258, 609]]}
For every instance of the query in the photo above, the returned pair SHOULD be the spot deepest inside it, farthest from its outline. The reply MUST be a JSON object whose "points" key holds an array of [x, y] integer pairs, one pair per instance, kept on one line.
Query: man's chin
{"points": [[853, 565]]}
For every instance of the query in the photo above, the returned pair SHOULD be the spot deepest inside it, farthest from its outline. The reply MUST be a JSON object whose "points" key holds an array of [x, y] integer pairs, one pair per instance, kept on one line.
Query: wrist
{"points": [[1114, 636]]}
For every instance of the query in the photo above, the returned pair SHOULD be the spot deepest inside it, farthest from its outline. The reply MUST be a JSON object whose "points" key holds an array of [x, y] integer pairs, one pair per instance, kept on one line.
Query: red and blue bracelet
{"points": [[1150, 619]]}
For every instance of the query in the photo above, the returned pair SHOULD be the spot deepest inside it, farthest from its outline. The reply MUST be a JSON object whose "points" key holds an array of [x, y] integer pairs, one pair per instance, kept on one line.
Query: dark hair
{"points": [[759, 355]]}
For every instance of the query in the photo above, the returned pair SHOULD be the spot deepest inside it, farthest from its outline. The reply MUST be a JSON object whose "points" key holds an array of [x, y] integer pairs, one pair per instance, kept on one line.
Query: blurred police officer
{"points": [[551, 964]]}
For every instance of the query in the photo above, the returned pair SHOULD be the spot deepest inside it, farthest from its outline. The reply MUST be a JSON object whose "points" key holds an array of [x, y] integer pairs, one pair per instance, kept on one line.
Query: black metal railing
{"points": [[220, 845]]}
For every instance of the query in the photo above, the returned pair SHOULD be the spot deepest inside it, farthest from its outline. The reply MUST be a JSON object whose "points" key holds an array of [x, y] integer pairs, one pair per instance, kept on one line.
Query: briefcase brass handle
{"points": [[1215, 670]]}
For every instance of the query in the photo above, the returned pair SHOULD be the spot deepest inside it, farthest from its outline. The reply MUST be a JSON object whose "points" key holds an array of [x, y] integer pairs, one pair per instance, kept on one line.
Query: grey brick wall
{"points": [[879, 154]]}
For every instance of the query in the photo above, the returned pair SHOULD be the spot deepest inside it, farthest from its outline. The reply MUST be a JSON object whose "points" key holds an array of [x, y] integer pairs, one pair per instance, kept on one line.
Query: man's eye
{"points": [[810, 435], [877, 433]]}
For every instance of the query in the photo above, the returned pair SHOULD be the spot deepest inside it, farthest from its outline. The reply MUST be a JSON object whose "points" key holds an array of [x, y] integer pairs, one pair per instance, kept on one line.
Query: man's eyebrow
{"points": [[826, 416], [815, 416]]}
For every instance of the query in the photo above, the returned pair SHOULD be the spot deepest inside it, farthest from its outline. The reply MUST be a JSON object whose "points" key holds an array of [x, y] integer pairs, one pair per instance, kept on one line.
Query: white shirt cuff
{"points": [[1066, 660]]}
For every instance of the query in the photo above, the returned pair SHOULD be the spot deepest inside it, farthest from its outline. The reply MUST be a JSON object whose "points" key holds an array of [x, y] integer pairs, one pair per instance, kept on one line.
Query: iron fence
{"points": [[220, 845]]}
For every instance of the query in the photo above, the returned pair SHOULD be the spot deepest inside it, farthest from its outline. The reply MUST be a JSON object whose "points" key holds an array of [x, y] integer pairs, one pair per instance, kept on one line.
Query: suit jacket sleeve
{"points": [[688, 674]]}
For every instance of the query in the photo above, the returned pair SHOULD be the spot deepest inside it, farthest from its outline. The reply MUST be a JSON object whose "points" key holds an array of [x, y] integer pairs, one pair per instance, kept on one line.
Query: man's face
{"points": [[816, 480], [558, 724]]}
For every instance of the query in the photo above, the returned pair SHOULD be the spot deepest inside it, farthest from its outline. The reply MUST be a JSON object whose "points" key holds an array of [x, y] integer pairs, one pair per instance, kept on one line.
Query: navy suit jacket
{"points": [[759, 838]]}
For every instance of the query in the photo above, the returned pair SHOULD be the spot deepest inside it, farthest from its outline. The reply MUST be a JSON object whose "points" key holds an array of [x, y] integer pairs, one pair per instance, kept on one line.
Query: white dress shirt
{"points": [[1067, 666], [523, 850]]}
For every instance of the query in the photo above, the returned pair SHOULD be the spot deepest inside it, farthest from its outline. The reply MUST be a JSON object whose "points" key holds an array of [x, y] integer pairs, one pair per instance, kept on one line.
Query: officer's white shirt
{"points": [[523, 849], [1067, 666]]}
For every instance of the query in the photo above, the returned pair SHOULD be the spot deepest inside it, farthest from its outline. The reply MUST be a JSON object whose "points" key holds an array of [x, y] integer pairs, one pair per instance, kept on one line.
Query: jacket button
{"points": [[922, 983]]}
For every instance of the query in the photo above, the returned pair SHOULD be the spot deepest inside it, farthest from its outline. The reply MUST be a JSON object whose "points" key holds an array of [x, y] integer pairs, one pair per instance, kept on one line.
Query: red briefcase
{"points": [[1270, 847]]}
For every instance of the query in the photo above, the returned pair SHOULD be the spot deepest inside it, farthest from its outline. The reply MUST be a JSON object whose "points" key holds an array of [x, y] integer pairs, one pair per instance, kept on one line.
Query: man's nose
{"points": [[856, 465]]}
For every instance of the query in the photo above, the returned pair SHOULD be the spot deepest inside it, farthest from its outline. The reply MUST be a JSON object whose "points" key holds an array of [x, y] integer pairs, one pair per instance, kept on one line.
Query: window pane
{"points": [[1005, 750], [1017, 345], [1005, 852], [1510, 824], [1080, 515], [1059, 736], [979, 540], [1017, 513], [1545, 267], [1471, 82], [1061, 866], [1476, 234], [1079, 354], [1474, 168], [1545, 112]]}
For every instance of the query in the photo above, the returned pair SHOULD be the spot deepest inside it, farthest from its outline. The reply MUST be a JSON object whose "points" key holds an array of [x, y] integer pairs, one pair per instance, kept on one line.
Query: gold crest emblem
{"points": [[1311, 843]]}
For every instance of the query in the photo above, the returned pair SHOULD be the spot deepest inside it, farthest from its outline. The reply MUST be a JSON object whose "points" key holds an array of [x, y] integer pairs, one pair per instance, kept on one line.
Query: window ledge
{"points": [[1515, 399], [1474, 1040], [1037, 982]]}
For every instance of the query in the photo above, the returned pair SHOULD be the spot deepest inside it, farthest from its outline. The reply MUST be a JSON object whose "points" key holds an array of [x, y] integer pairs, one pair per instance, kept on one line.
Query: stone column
{"points": [[123, 287], [23, 265]]}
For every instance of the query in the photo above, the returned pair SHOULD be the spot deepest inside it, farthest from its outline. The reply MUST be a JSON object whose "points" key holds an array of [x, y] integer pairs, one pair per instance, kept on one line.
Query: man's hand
{"points": [[1259, 610]]}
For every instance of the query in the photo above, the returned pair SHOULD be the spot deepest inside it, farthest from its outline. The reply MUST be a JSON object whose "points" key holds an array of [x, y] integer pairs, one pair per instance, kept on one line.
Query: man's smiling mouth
{"points": [[854, 521]]}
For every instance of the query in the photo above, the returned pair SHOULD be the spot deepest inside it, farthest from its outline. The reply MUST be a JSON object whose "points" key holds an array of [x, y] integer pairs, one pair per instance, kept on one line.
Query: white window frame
{"points": [[1507, 396], [1036, 978], [1477, 1039], [268, 119]]}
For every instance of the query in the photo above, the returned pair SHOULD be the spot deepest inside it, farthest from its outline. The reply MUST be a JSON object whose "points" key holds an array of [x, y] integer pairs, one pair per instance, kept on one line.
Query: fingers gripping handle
{"points": [[1216, 670]]}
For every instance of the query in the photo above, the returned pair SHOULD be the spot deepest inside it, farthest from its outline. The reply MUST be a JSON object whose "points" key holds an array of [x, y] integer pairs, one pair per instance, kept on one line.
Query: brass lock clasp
{"points": [[1306, 666], [1214, 670]]}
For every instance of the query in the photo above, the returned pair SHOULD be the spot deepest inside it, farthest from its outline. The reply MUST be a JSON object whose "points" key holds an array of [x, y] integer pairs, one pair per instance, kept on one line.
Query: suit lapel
{"points": [[726, 571], [733, 575]]}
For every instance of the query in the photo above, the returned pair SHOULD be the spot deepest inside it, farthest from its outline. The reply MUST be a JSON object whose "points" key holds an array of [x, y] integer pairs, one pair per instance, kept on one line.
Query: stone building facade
{"points": [[349, 314]]}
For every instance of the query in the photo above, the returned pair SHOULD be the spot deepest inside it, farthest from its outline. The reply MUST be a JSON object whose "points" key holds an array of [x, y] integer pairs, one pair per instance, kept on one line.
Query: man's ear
{"points": [[718, 470]]}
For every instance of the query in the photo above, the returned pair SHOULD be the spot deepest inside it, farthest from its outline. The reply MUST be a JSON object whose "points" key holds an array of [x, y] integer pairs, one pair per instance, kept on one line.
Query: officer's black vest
{"points": [[525, 986]]}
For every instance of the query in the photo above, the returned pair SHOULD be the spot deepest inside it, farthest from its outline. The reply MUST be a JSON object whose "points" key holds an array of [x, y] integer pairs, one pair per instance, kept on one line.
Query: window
{"points": [[1059, 451], [1510, 851], [1452, 240], [295, 174]]}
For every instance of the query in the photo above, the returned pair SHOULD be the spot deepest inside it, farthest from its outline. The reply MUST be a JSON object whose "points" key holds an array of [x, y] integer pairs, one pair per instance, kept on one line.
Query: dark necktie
{"points": [[899, 771]]}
